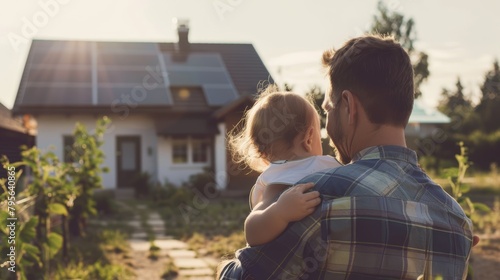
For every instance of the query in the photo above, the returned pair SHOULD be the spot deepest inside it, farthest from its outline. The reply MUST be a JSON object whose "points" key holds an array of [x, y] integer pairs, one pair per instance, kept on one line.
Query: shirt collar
{"points": [[387, 152]]}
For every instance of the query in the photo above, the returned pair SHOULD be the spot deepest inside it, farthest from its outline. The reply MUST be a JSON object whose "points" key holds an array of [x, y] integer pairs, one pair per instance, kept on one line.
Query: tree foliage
{"points": [[86, 171], [488, 109], [52, 190], [392, 23]]}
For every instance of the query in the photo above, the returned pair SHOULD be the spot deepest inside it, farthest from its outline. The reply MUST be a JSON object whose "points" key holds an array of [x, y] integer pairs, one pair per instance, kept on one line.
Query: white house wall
{"points": [[51, 130], [174, 173], [221, 175]]}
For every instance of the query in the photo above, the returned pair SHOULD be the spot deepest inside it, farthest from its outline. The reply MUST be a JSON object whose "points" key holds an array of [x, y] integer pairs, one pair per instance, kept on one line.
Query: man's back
{"points": [[381, 218]]}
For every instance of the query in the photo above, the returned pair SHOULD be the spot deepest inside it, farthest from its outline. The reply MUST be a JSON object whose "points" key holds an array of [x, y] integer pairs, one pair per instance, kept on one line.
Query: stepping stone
{"points": [[155, 222], [139, 235], [97, 222], [162, 236], [139, 245], [155, 216], [135, 223], [171, 244], [177, 254], [196, 272], [157, 229], [184, 263]]}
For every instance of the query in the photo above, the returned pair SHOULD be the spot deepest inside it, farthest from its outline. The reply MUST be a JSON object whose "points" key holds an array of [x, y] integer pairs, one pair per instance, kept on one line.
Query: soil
{"points": [[486, 258]]}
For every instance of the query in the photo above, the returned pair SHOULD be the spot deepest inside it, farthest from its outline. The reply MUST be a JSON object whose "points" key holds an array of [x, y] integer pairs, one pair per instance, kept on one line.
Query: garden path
{"points": [[171, 252]]}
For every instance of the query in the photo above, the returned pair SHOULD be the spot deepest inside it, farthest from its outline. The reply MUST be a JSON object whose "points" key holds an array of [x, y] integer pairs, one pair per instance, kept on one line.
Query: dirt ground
{"points": [[486, 258]]}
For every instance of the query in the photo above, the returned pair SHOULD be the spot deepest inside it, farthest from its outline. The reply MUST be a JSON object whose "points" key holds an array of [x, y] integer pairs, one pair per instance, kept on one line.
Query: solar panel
{"points": [[57, 96], [219, 95], [137, 77], [58, 75], [127, 47], [197, 78], [60, 58], [132, 96], [205, 70], [122, 59], [73, 46], [195, 60]]}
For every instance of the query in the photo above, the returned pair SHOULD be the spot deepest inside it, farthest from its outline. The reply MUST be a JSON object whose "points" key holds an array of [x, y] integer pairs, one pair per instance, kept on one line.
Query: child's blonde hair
{"points": [[270, 127]]}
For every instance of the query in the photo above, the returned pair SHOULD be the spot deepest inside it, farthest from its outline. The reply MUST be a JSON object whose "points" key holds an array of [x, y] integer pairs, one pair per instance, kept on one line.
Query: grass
{"points": [[171, 271], [213, 229], [103, 253]]}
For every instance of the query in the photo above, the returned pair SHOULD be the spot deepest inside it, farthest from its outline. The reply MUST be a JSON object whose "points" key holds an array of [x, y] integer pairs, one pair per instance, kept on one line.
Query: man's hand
{"points": [[295, 203]]}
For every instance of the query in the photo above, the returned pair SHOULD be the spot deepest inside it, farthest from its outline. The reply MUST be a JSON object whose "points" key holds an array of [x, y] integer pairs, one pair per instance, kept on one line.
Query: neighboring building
{"points": [[171, 104], [423, 132], [14, 132]]}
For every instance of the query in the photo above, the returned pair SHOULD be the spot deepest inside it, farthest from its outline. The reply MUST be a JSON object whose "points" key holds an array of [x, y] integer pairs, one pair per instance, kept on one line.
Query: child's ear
{"points": [[308, 139]]}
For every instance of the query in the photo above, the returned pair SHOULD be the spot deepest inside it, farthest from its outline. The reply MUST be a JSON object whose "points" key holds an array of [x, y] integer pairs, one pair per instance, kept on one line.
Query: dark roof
{"points": [[179, 126], [10, 123], [241, 101], [102, 77]]}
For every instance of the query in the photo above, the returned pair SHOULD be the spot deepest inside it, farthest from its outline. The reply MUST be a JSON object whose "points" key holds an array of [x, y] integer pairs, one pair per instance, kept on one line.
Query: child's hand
{"points": [[294, 204]]}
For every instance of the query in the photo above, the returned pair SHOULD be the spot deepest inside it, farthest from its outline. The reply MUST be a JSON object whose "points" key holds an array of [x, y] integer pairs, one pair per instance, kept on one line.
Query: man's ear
{"points": [[351, 106], [308, 139]]}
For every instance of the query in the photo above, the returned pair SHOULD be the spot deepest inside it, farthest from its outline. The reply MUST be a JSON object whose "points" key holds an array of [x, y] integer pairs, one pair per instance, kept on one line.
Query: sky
{"points": [[461, 37]]}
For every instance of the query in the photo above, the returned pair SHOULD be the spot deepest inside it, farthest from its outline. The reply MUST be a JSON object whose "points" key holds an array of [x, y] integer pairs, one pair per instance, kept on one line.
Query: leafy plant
{"points": [[50, 192], [86, 172], [26, 254], [456, 177]]}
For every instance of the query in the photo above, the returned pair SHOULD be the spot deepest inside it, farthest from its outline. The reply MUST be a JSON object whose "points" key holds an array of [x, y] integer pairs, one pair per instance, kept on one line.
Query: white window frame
{"points": [[190, 141]]}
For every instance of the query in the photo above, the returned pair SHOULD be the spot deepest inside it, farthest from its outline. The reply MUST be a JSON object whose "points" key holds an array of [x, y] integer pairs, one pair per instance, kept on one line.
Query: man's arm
{"points": [[269, 219]]}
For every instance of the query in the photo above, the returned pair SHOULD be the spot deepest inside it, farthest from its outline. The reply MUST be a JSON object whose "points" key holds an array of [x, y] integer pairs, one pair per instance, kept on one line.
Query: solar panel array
{"points": [[76, 73]]}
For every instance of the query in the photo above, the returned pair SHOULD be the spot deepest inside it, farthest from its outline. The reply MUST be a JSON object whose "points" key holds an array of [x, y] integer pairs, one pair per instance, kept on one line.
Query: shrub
{"points": [[104, 201]]}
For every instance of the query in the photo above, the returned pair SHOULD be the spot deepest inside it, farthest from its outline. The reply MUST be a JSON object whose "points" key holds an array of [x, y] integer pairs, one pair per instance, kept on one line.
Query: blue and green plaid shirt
{"points": [[381, 217]]}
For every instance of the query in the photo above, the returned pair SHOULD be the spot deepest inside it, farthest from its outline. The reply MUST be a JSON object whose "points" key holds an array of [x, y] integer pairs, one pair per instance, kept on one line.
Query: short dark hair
{"points": [[379, 72]]}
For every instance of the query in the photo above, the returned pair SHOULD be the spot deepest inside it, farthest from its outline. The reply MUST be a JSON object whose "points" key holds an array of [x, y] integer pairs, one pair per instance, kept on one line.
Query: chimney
{"points": [[182, 26]]}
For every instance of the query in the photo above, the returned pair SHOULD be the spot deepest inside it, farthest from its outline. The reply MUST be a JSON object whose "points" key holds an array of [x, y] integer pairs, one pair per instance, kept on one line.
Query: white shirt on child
{"points": [[286, 172]]}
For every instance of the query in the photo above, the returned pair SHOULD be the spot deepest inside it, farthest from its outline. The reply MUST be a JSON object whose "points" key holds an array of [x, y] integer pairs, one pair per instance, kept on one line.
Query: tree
{"points": [[402, 29], [455, 103], [488, 109]]}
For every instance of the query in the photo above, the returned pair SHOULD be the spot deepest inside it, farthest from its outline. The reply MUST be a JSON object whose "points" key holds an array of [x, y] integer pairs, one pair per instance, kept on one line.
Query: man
{"points": [[381, 217]]}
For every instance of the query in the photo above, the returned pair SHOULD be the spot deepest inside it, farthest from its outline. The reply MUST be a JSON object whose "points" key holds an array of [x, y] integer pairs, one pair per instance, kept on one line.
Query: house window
{"points": [[190, 150], [68, 141], [180, 151], [200, 150]]}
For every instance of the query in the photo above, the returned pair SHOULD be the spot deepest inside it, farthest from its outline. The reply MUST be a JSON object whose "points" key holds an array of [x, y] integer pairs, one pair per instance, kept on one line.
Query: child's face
{"points": [[317, 148]]}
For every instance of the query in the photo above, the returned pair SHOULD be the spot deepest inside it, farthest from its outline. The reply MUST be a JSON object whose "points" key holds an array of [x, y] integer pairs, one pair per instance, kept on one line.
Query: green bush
{"points": [[104, 201], [203, 182], [143, 185], [484, 148], [169, 194]]}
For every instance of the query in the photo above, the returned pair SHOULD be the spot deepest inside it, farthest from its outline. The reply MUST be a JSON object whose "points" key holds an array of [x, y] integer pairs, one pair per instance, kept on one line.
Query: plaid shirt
{"points": [[381, 217]]}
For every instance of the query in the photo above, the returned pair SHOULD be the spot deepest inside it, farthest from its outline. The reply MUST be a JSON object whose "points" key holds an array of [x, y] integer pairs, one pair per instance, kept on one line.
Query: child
{"points": [[281, 139]]}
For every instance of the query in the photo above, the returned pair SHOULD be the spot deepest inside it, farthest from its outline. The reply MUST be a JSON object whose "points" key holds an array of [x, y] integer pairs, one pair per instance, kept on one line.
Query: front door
{"points": [[128, 160]]}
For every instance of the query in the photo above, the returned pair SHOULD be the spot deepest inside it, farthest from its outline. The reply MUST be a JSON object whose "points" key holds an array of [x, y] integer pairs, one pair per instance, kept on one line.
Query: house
{"points": [[171, 104], [423, 132], [14, 132]]}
